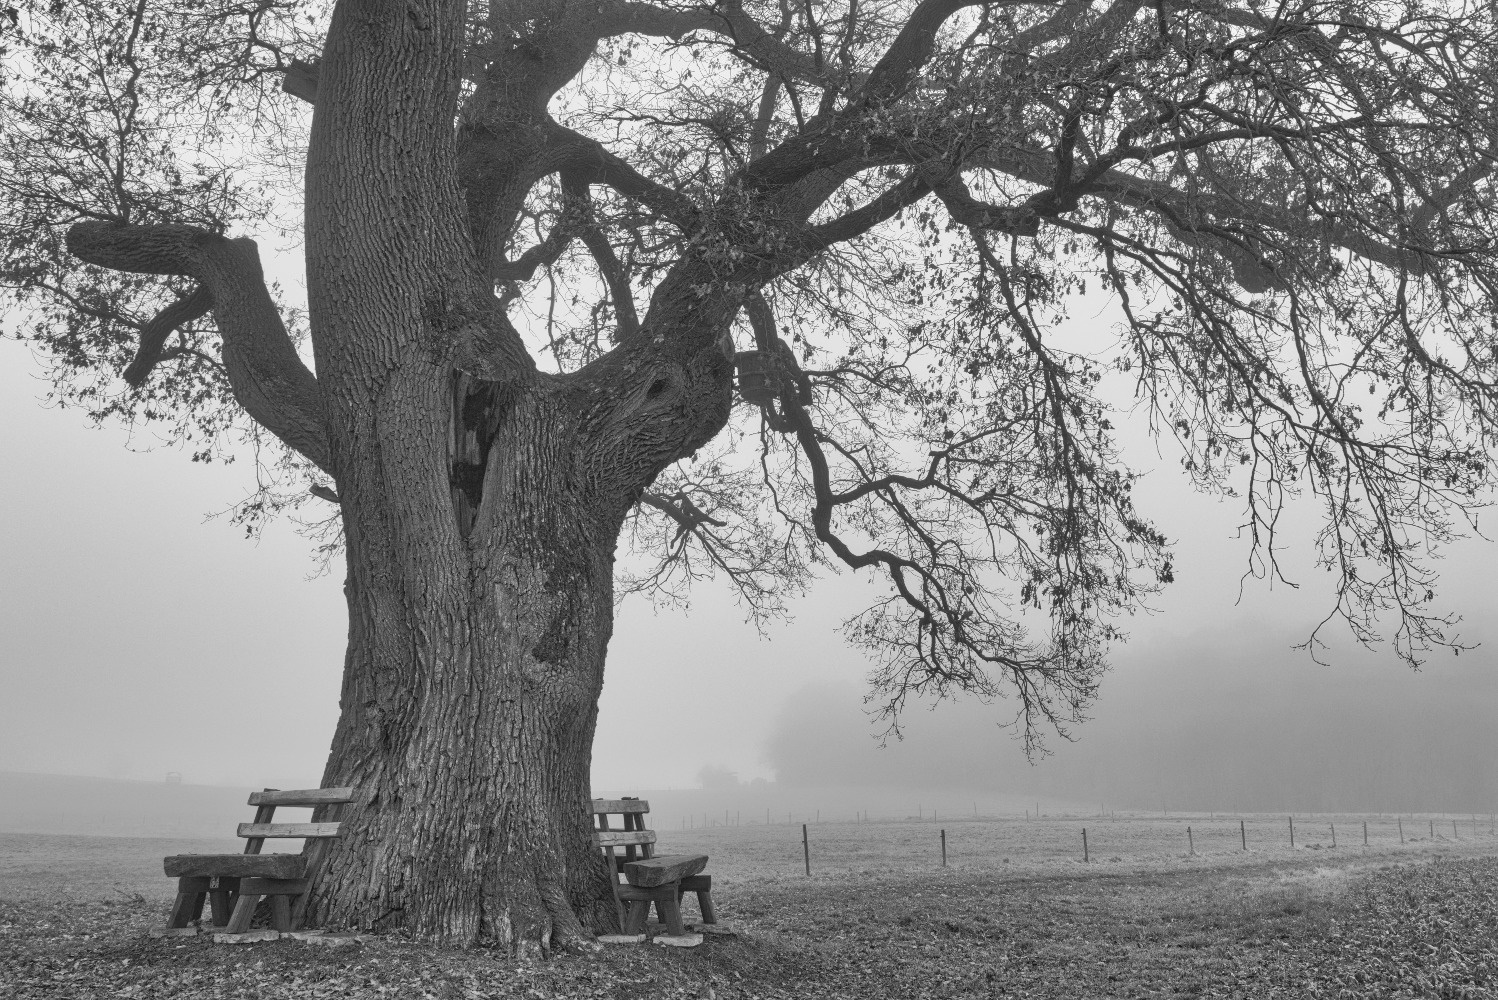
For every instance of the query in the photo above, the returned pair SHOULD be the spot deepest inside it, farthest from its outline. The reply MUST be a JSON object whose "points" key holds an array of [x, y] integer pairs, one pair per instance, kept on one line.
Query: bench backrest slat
{"points": [[286, 830], [302, 797], [624, 838], [620, 806]]}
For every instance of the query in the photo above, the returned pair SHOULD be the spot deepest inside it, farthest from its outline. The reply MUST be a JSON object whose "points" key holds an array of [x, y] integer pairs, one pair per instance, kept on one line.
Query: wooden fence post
{"points": [[1334, 835], [1365, 833], [1085, 856], [1243, 834], [1292, 832], [1401, 829], [806, 848], [1190, 844], [944, 848]]}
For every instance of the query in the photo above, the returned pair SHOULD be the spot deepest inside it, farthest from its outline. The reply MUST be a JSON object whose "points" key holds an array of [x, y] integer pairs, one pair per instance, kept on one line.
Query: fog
{"points": [[138, 638], [1213, 721]]}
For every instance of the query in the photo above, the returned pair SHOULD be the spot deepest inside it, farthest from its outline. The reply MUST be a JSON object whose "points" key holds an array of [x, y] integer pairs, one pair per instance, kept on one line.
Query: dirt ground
{"points": [[1278, 923]]}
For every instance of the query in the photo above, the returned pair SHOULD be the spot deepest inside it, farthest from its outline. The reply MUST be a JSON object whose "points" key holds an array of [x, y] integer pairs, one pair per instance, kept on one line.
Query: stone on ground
{"points": [[621, 939], [682, 941], [248, 937]]}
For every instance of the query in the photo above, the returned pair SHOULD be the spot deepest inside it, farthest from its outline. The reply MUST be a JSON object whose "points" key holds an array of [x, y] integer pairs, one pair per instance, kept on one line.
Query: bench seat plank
{"points": [[236, 865], [273, 886], [302, 797], [620, 806], [663, 869], [287, 830]]}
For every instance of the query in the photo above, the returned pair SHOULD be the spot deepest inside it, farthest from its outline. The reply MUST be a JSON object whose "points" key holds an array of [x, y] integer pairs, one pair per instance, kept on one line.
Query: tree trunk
{"points": [[482, 501], [469, 701], [481, 526], [473, 822]]}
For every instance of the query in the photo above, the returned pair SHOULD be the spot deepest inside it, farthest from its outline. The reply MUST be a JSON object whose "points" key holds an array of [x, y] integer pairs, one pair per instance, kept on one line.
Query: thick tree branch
{"points": [[886, 205], [543, 254], [154, 334], [588, 160], [609, 265], [1018, 220], [759, 136], [901, 64], [265, 373]]}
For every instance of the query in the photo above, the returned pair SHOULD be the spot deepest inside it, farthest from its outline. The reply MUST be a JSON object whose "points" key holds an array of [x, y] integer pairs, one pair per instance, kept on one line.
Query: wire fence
{"points": [[807, 845]]}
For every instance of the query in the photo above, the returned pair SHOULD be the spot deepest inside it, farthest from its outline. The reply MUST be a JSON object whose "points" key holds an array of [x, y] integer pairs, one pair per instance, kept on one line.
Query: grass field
{"points": [[1015, 914]]}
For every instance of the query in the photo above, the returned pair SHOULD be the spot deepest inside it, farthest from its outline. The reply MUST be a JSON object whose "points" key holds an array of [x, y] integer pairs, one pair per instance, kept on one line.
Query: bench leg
{"points": [[705, 904], [219, 898], [634, 921], [244, 912], [185, 909], [669, 909], [280, 913]]}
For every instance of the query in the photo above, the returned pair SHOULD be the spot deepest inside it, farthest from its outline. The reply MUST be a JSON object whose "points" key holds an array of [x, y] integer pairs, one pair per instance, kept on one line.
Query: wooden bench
{"points": [[235, 883], [642, 876]]}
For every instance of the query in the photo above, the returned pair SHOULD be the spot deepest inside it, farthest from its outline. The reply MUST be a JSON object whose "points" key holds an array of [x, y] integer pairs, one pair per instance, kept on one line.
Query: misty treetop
{"points": [[891, 217]]}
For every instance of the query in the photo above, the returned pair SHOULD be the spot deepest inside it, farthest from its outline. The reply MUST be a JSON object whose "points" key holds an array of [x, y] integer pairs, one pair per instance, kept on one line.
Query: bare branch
{"points": [[729, 20], [682, 510]]}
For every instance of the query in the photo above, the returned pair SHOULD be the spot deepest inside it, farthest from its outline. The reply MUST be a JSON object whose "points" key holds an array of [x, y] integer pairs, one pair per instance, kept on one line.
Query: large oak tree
{"points": [[754, 285]]}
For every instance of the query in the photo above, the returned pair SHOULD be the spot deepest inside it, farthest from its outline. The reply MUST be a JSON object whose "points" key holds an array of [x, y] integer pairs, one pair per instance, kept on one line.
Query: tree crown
{"points": [[887, 212]]}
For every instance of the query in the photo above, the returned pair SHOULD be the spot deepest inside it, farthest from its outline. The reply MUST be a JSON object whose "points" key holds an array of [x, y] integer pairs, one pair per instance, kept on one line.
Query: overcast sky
{"points": [[137, 637]]}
